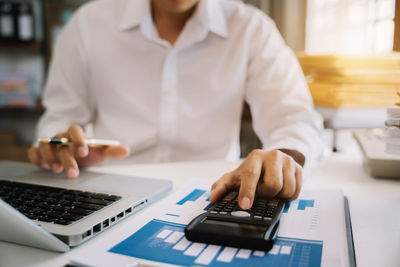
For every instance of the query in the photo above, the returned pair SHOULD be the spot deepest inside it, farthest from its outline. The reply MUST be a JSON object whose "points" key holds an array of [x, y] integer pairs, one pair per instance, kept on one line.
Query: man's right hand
{"points": [[70, 158]]}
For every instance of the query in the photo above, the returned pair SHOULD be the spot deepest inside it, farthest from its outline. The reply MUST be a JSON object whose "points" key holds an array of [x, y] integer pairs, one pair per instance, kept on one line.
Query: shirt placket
{"points": [[169, 107]]}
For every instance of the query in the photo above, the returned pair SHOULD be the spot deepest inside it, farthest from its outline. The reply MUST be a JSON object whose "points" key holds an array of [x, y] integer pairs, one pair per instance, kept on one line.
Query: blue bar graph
{"points": [[174, 215], [164, 242], [193, 196], [208, 206], [302, 204]]}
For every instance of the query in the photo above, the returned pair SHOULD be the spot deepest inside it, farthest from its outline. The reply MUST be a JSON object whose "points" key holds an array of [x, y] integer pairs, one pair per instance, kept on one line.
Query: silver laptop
{"points": [[50, 211]]}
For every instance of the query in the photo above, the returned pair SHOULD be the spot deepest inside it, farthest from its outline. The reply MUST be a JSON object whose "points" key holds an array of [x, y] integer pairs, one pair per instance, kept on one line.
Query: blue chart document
{"points": [[312, 233], [163, 240]]}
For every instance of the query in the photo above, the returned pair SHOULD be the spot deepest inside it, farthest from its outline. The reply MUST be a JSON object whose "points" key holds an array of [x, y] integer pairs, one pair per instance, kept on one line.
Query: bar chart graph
{"points": [[302, 204], [193, 196], [188, 206], [165, 242]]}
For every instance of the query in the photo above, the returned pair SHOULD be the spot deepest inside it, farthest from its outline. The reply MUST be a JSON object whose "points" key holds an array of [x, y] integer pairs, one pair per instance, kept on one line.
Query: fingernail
{"points": [[45, 166], [82, 151], [72, 173], [57, 168], [245, 203]]}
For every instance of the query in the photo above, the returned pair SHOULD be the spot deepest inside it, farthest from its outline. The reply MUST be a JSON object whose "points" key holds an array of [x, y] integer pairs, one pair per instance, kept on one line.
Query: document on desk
{"points": [[312, 233]]}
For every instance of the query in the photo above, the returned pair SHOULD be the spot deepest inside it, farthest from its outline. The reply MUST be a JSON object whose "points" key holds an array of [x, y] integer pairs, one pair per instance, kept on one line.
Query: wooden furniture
{"points": [[396, 44]]}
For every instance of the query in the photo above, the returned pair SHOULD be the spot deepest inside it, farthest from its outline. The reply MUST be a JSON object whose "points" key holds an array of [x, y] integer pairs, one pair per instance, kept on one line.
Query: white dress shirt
{"points": [[182, 102]]}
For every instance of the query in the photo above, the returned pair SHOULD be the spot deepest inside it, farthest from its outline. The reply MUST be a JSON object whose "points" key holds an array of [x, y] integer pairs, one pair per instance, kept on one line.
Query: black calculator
{"points": [[226, 224]]}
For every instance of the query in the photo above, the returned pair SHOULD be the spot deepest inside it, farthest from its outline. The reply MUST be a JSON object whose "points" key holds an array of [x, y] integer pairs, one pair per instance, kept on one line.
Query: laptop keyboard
{"points": [[52, 204]]}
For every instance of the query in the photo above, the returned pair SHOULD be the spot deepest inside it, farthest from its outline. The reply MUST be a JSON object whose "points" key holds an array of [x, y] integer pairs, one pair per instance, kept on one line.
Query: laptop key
{"points": [[24, 209], [67, 203], [86, 194], [81, 211], [72, 217], [60, 208], [45, 219], [71, 197], [55, 214], [88, 206], [72, 192], [99, 196], [52, 201], [55, 195], [44, 205], [26, 196], [17, 202], [95, 201], [31, 216], [40, 198], [31, 191], [42, 193], [30, 203], [62, 222], [112, 198]]}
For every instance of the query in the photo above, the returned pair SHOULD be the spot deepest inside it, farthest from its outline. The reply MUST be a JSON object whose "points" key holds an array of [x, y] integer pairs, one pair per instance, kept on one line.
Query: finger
{"points": [[272, 181], [222, 186], [49, 157], [77, 137], [67, 159], [289, 179], [35, 158], [116, 152], [299, 182], [249, 177]]}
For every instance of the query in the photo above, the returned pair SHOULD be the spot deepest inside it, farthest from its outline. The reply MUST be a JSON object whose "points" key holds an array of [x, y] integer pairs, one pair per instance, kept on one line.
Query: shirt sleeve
{"points": [[281, 105], [66, 96]]}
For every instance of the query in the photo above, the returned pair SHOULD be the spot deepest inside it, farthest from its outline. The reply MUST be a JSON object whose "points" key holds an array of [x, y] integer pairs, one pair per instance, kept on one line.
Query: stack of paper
{"points": [[392, 135], [352, 81]]}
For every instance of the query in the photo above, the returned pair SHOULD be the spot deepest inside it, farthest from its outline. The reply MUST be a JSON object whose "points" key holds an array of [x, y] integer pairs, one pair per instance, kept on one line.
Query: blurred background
{"points": [[346, 49]]}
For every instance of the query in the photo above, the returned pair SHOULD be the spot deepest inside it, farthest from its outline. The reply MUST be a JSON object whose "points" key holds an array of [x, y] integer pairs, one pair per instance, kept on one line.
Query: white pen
{"points": [[89, 141]]}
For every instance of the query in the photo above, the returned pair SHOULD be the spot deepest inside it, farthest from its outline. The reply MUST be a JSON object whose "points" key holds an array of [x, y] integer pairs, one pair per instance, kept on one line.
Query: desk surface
{"points": [[374, 206]]}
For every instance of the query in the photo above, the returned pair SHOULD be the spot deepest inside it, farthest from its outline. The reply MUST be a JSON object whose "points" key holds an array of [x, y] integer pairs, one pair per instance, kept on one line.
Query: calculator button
{"points": [[273, 203], [267, 219], [231, 196], [223, 213], [257, 217], [240, 213], [213, 212]]}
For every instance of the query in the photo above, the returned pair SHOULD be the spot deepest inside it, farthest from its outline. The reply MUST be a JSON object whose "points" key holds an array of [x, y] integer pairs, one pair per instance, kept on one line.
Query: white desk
{"points": [[374, 207]]}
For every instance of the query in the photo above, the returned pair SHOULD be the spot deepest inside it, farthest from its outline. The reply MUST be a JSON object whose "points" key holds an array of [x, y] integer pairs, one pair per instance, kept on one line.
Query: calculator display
{"points": [[239, 228]]}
